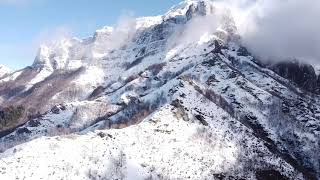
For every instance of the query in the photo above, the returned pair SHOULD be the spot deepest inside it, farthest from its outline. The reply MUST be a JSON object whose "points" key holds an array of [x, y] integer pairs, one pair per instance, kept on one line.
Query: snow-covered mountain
{"points": [[160, 98]]}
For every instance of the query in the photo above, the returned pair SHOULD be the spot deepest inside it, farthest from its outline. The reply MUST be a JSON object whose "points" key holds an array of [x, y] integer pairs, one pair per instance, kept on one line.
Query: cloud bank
{"points": [[277, 30]]}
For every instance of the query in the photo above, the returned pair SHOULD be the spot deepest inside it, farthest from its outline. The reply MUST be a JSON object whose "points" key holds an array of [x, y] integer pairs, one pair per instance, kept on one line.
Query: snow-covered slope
{"points": [[162, 147], [154, 99]]}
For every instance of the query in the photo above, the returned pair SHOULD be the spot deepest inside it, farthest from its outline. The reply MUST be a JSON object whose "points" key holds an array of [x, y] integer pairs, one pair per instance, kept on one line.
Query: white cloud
{"points": [[278, 30], [274, 30], [121, 32]]}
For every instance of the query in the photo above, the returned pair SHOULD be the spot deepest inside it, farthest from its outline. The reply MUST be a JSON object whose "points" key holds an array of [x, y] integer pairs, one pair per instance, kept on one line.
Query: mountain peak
{"points": [[190, 8], [182, 80], [55, 55], [212, 11]]}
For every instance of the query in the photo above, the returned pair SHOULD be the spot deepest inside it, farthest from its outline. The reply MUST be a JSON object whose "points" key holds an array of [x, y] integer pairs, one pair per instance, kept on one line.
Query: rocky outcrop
{"points": [[201, 8], [302, 74]]}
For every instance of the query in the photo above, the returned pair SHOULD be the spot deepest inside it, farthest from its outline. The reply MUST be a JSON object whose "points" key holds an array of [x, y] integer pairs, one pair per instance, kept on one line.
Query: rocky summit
{"points": [[162, 99]]}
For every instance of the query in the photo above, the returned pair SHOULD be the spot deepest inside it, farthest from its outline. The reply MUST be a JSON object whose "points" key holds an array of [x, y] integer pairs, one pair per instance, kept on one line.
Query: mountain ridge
{"points": [[160, 98]]}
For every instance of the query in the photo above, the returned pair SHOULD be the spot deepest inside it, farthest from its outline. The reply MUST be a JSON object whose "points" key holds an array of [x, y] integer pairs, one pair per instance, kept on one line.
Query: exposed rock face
{"points": [[201, 8], [302, 74]]}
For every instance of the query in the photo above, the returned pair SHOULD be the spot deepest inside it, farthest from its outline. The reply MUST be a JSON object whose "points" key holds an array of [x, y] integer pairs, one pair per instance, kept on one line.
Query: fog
{"points": [[278, 30], [273, 30]]}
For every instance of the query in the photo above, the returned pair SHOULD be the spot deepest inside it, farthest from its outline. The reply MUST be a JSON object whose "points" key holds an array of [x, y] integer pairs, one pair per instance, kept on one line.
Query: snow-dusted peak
{"points": [[146, 22], [55, 55], [4, 70], [191, 8], [104, 32], [212, 13], [106, 29]]}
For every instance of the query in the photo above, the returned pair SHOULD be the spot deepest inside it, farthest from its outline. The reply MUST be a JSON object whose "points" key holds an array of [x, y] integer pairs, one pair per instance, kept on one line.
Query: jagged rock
{"points": [[200, 9], [302, 74]]}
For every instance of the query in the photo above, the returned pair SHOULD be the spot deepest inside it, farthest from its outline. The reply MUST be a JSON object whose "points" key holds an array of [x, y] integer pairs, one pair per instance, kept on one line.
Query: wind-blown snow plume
{"points": [[193, 30], [118, 35], [205, 22]]}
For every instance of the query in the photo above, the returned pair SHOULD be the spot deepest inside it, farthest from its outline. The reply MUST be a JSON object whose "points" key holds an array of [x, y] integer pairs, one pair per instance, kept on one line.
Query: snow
{"points": [[180, 9], [172, 142], [42, 75], [92, 76], [146, 22], [4, 70], [11, 77], [164, 135], [205, 38], [105, 30], [56, 55], [161, 146]]}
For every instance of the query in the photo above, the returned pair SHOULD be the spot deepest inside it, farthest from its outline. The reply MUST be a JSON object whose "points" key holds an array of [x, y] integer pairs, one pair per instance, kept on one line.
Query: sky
{"points": [[273, 30], [27, 23]]}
